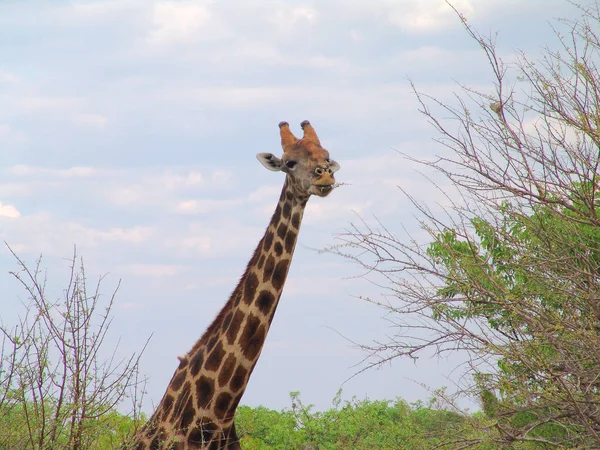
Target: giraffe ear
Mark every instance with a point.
(270, 161)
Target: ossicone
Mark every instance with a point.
(288, 140)
(309, 132)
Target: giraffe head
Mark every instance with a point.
(306, 164)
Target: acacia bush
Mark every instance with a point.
(510, 274)
(59, 383)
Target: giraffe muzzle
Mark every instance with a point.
(320, 171)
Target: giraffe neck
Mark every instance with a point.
(252, 305)
(201, 399)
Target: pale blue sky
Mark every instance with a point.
(129, 128)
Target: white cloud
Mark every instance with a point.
(286, 16)
(258, 51)
(18, 189)
(192, 244)
(5, 131)
(235, 97)
(387, 162)
(151, 270)
(357, 35)
(172, 180)
(265, 192)
(131, 306)
(214, 238)
(312, 285)
(431, 54)
(9, 211)
(265, 198)
(163, 187)
(206, 205)
(44, 232)
(31, 97)
(177, 22)
(127, 195)
(343, 102)
(78, 172)
(13, 139)
(8, 77)
(71, 172)
(96, 9)
(42, 103)
(329, 208)
(221, 176)
(96, 121)
(134, 235)
(425, 16)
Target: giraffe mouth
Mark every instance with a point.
(323, 190)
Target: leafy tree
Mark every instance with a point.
(353, 424)
(57, 390)
(262, 428)
(511, 273)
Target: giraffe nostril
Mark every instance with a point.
(319, 171)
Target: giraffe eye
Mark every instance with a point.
(290, 164)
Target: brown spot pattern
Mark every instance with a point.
(155, 445)
(252, 337)
(280, 273)
(216, 445)
(281, 229)
(269, 268)
(290, 239)
(177, 380)
(234, 327)
(268, 240)
(276, 215)
(167, 404)
(188, 414)
(296, 220)
(202, 433)
(250, 286)
(195, 436)
(211, 343)
(205, 388)
(238, 379)
(227, 370)
(227, 320)
(196, 363)
(222, 404)
(237, 297)
(234, 405)
(180, 402)
(265, 301)
(287, 209)
(214, 359)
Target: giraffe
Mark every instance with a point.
(198, 408)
